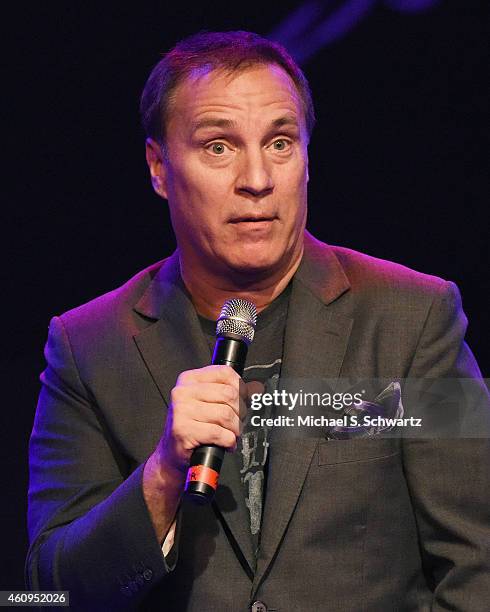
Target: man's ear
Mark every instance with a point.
(156, 164)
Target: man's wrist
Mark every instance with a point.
(163, 487)
(161, 475)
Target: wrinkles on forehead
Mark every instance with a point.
(288, 120)
(196, 75)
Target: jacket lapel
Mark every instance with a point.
(314, 347)
(169, 346)
(175, 342)
(229, 505)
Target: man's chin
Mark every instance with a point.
(256, 262)
(253, 267)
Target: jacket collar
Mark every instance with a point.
(320, 272)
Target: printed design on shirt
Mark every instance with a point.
(255, 445)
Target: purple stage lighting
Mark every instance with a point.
(316, 24)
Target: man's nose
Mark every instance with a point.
(255, 176)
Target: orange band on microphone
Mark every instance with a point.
(201, 473)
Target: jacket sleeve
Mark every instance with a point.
(449, 477)
(89, 528)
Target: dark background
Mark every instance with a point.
(397, 167)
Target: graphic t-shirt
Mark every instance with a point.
(263, 364)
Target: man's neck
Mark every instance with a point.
(208, 294)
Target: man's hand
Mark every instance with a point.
(205, 409)
(206, 405)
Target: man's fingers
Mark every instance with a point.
(217, 393)
(218, 414)
(210, 433)
(215, 396)
(212, 373)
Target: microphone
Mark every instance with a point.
(234, 332)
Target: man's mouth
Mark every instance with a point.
(253, 219)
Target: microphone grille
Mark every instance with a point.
(237, 317)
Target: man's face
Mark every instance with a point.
(236, 170)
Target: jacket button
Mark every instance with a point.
(259, 606)
(125, 590)
(147, 574)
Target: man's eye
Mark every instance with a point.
(280, 145)
(218, 148)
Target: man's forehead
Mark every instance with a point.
(210, 121)
(268, 82)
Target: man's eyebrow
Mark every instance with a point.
(213, 122)
(285, 121)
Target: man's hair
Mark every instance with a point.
(228, 51)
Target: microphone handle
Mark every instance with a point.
(206, 461)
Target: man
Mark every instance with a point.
(298, 524)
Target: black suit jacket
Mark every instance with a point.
(352, 525)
